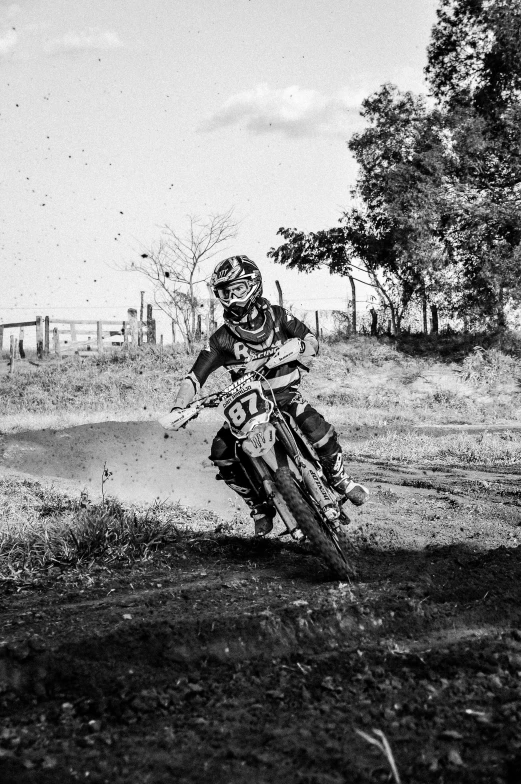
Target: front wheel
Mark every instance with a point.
(330, 544)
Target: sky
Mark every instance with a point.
(118, 118)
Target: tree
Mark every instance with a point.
(474, 57)
(474, 68)
(175, 265)
(308, 252)
(394, 229)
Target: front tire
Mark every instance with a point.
(330, 544)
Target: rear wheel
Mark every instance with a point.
(330, 544)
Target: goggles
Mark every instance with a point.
(233, 291)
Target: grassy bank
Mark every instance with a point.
(360, 383)
(459, 449)
(115, 383)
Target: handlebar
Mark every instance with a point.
(178, 419)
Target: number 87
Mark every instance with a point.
(237, 413)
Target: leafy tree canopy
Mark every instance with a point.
(474, 57)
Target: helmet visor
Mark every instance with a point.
(233, 291)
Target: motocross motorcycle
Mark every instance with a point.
(278, 460)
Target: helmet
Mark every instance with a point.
(237, 284)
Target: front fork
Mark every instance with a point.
(273, 495)
(321, 494)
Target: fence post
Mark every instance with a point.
(374, 323)
(56, 341)
(198, 330)
(12, 353)
(151, 326)
(21, 343)
(1, 341)
(161, 350)
(353, 303)
(46, 339)
(99, 336)
(434, 319)
(211, 308)
(74, 336)
(141, 316)
(39, 337)
(317, 324)
(132, 326)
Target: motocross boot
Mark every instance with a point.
(261, 511)
(262, 515)
(341, 482)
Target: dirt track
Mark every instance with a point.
(145, 463)
(231, 660)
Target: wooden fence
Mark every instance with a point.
(21, 326)
(83, 337)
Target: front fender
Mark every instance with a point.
(275, 458)
(270, 461)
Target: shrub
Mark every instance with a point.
(488, 366)
(43, 529)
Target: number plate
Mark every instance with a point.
(247, 404)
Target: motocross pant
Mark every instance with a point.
(320, 433)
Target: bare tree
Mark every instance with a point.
(175, 266)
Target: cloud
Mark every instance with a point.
(292, 111)
(84, 40)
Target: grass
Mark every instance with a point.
(487, 367)
(464, 449)
(364, 382)
(116, 383)
(44, 530)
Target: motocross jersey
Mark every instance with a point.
(228, 350)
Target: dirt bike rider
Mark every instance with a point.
(252, 324)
